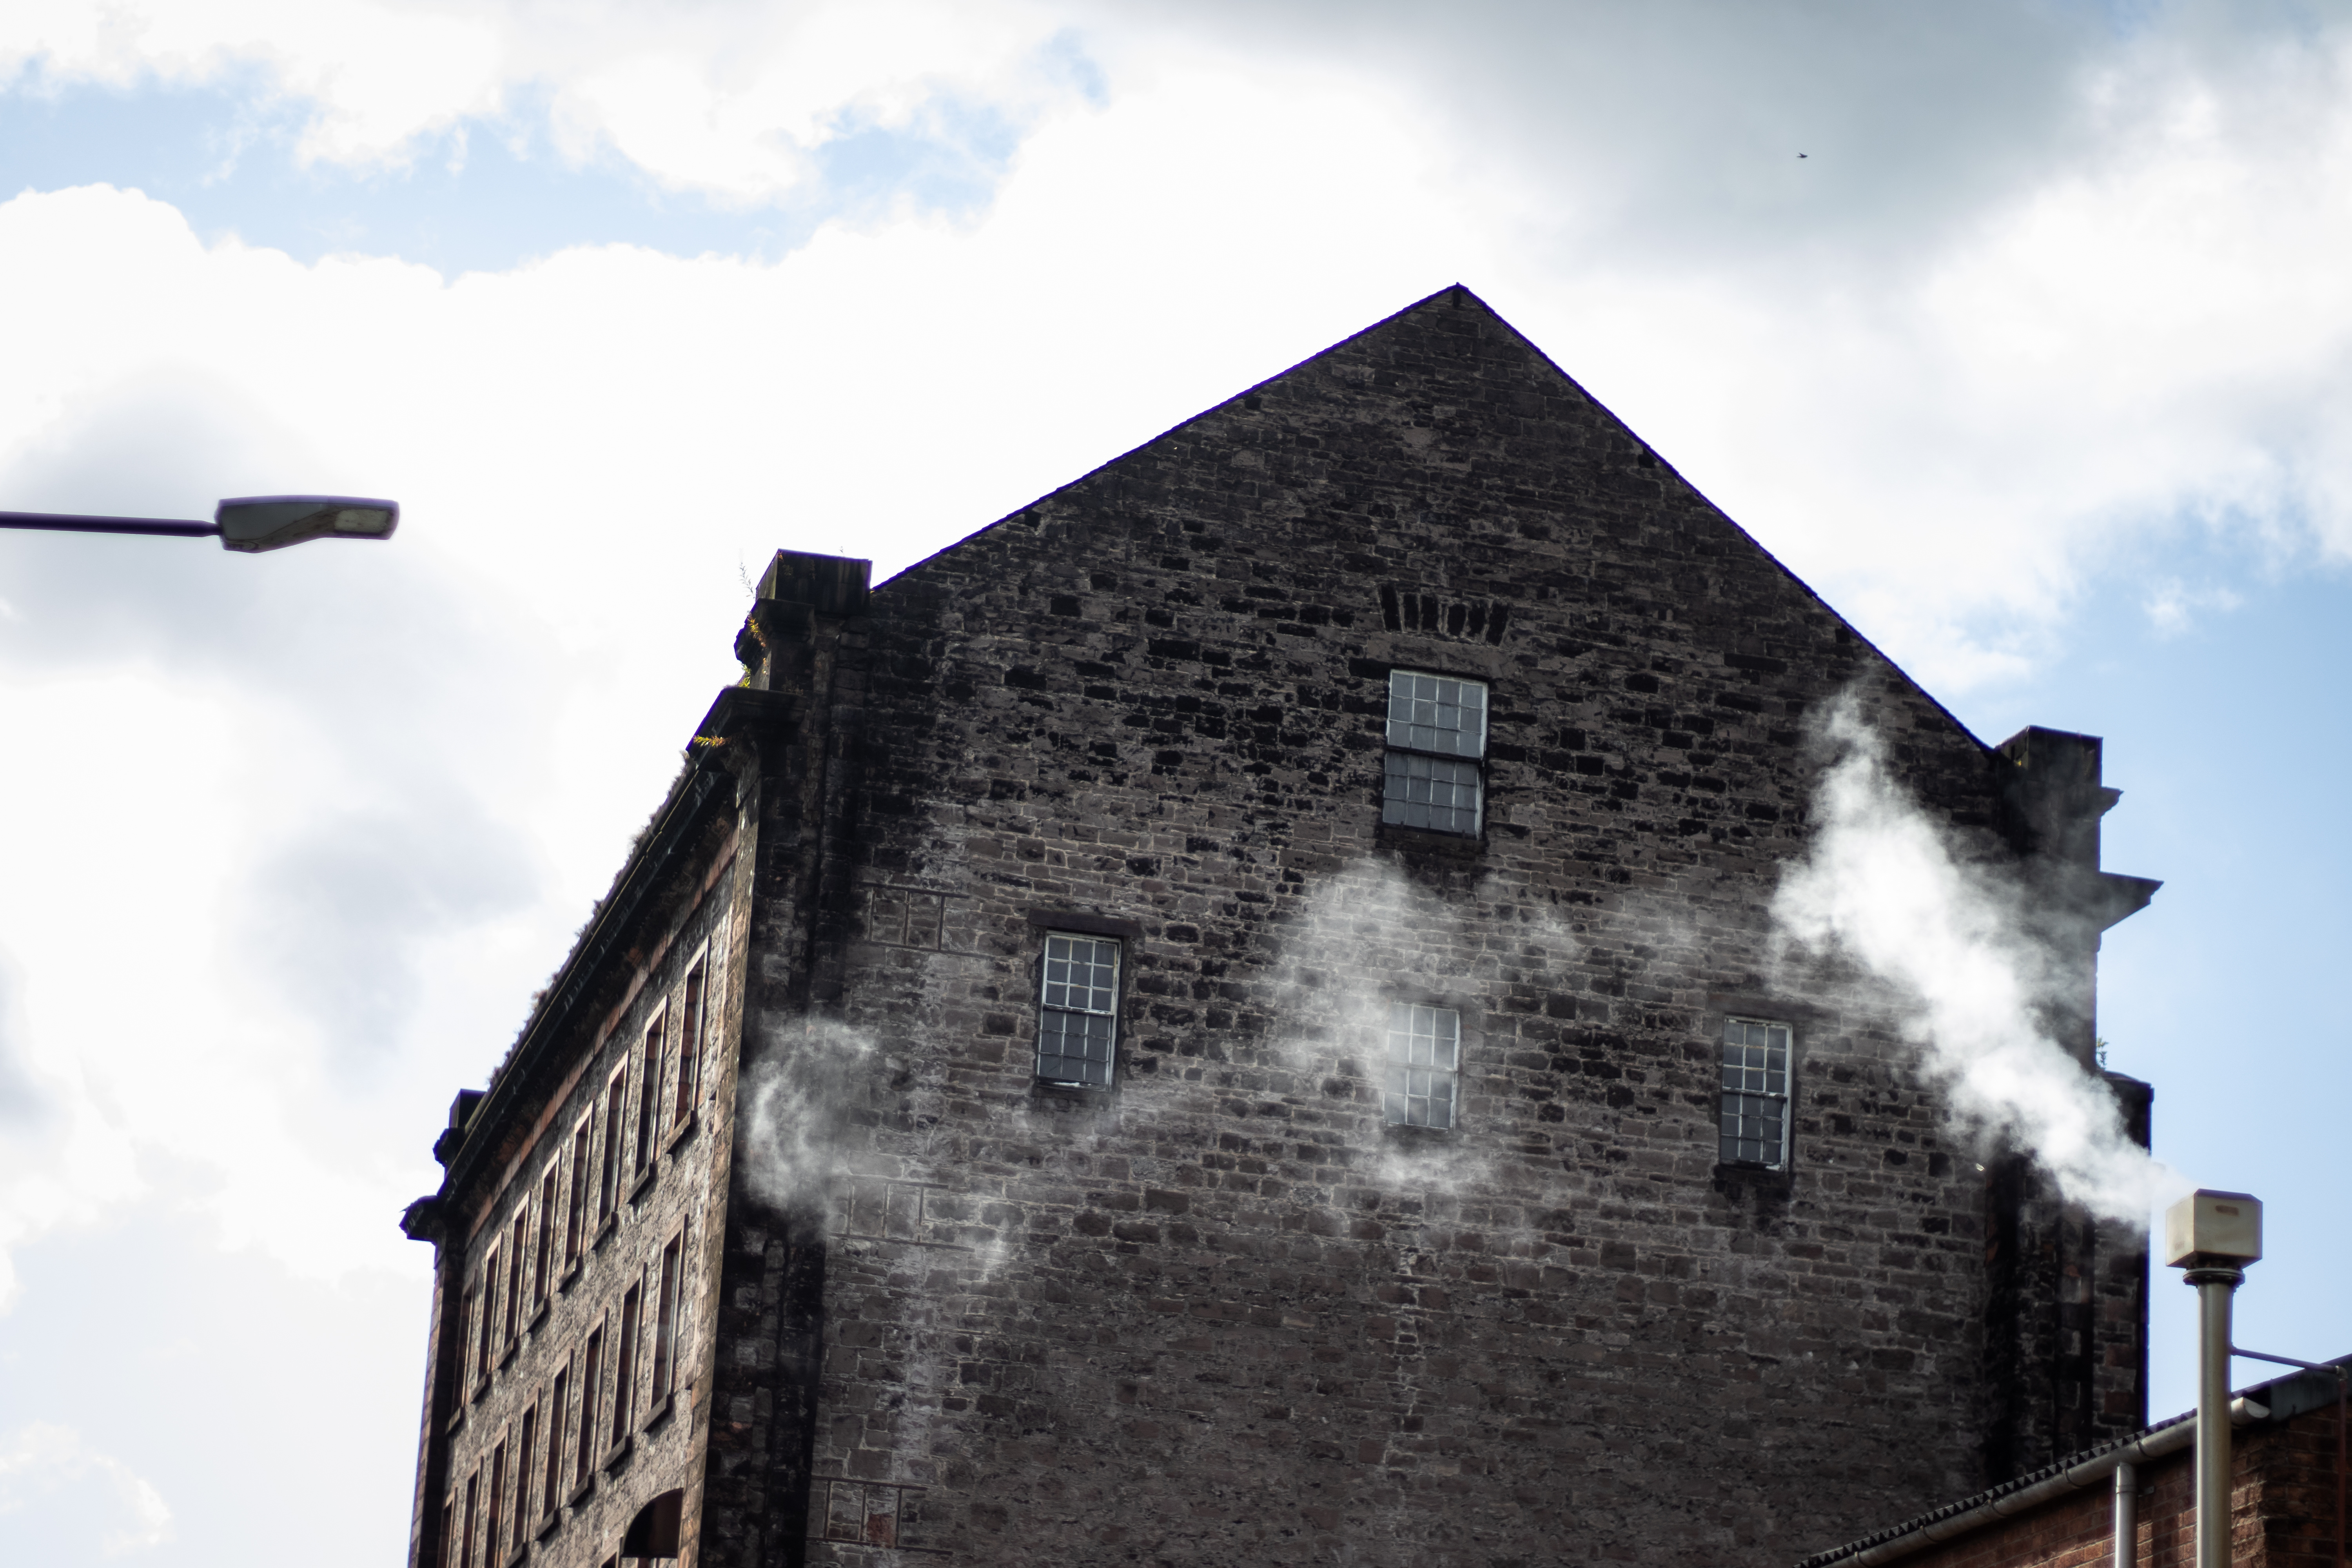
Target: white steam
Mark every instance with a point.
(1882, 887)
(1370, 936)
(798, 1094)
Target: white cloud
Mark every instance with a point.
(38, 1461)
(2049, 293)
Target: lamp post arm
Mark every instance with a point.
(70, 522)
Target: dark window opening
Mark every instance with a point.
(576, 1218)
(542, 1264)
(494, 1504)
(689, 1046)
(525, 1452)
(625, 1358)
(666, 1321)
(551, 1489)
(466, 1530)
(490, 1316)
(649, 1097)
(608, 1186)
(591, 1366)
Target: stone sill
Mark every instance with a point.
(1428, 841)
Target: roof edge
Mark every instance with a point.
(2096, 1461)
(1464, 291)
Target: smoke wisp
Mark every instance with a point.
(798, 1094)
(1882, 887)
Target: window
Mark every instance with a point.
(625, 1359)
(1424, 1061)
(591, 1365)
(575, 1223)
(1754, 1092)
(648, 1097)
(525, 1453)
(469, 1306)
(493, 1504)
(1079, 1015)
(466, 1530)
(542, 1263)
(1436, 739)
(489, 1299)
(559, 1392)
(616, 1102)
(516, 1246)
(666, 1321)
(689, 1046)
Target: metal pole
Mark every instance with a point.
(73, 523)
(2214, 1288)
(2127, 1552)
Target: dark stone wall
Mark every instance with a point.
(1219, 1311)
(524, 1129)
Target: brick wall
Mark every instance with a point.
(2282, 1510)
(1219, 1311)
(508, 1149)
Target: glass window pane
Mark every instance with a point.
(1424, 1048)
(1430, 792)
(1077, 1022)
(1435, 714)
(1754, 1121)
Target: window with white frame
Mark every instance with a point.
(1754, 1092)
(1424, 1065)
(1077, 1023)
(1432, 775)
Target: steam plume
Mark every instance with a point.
(1882, 887)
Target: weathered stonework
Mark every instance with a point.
(1218, 1310)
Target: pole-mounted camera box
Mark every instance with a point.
(2220, 1229)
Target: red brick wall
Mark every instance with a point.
(2283, 1512)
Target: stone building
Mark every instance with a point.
(1231, 1017)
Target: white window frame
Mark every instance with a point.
(1755, 1077)
(1417, 1062)
(1058, 1001)
(1421, 749)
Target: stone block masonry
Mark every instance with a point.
(1220, 1309)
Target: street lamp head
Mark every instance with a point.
(254, 523)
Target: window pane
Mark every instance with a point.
(1425, 1057)
(1430, 792)
(1081, 974)
(1431, 713)
(1754, 1112)
(1073, 1047)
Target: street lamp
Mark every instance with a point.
(249, 523)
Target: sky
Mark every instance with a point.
(2019, 330)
